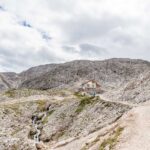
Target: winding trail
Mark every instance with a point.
(118, 102)
(136, 135)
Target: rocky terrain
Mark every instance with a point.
(40, 109)
(119, 78)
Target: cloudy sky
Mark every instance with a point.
(34, 32)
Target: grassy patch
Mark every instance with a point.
(41, 105)
(111, 141)
(78, 95)
(46, 118)
(10, 93)
(107, 104)
(15, 108)
(17, 93)
(83, 102)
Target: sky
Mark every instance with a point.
(35, 32)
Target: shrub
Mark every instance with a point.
(111, 141)
(83, 102)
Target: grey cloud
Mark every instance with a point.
(70, 49)
(59, 28)
(46, 36)
(86, 50)
(2, 8)
(25, 24)
(91, 50)
(6, 52)
(61, 5)
(47, 56)
(84, 27)
(16, 61)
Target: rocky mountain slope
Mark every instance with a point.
(121, 79)
(110, 71)
(9, 80)
(40, 109)
(58, 119)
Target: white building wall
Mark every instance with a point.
(90, 84)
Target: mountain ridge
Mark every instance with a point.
(118, 77)
(44, 111)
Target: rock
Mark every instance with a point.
(40, 116)
(40, 146)
(32, 131)
(40, 127)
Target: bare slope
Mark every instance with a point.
(68, 117)
(113, 72)
(121, 79)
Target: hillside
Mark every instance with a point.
(68, 118)
(40, 109)
(106, 72)
(121, 79)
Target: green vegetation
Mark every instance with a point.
(78, 95)
(107, 104)
(111, 141)
(83, 102)
(17, 93)
(61, 92)
(15, 108)
(46, 118)
(41, 105)
(10, 93)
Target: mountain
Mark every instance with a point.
(8, 80)
(106, 72)
(36, 71)
(40, 109)
(117, 77)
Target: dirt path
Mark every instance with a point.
(118, 102)
(136, 135)
(32, 98)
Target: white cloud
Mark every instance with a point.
(37, 32)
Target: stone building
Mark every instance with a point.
(90, 87)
